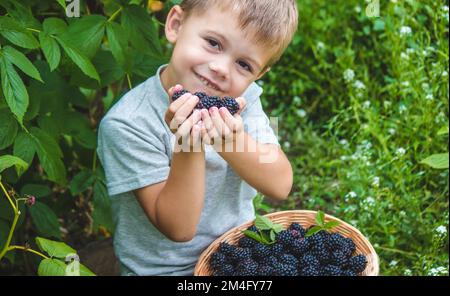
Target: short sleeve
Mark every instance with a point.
(131, 158)
(256, 122)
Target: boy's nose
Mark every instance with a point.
(220, 68)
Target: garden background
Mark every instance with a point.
(362, 104)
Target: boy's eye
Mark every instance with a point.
(213, 43)
(245, 66)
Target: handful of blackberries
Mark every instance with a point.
(207, 102)
(293, 254)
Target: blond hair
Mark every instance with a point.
(274, 21)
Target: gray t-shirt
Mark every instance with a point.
(135, 147)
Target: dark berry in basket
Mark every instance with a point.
(339, 259)
(332, 270)
(225, 270)
(265, 270)
(226, 249)
(217, 260)
(310, 271)
(308, 260)
(246, 242)
(289, 259)
(357, 263)
(282, 269)
(247, 267)
(277, 249)
(260, 250)
(240, 254)
(285, 238)
(297, 230)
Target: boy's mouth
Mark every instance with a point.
(207, 82)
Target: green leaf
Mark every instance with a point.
(81, 182)
(443, 131)
(331, 224)
(437, 161)
(16, 34)
(62, 3)
(320, 218)
(51, 50)
(79, 59)
(22, 62)
(86, 34)
(14, 90)
(54, 248)
(24, 147)
(52, 267)
(253, 235)
(45, 220)
(84, 271)
(8, 128)
(118, 42)
(37, 190)
(7, 161)
(263, 223)
(313, 231)
(272, 235)
(102, 208)
(277, 228)
(266, 238)
(54, 26)
(49, 155)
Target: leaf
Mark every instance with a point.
(437, 161)
(7, 161)
(86, 34)
(443, 131)
(45, 220)
(22, 62)
(320, 218)
(37, 190)
(54, 248)
(24, 147)
(102, 207)
(263, 223)
(277, 228)
(313, 231)
(266, 238)
(253, 235)
(8, 128)
(52, 267)
(14, 90)
(49, 155)
(82, 181)
(62, 3)
(54, 26)
(16, 34)
(51, 50)
(331, 224)
(79, 59)
(272, 235)
(84, 271)
(118, 42)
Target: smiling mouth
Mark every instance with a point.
(207, 83)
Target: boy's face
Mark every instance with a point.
(212, 54)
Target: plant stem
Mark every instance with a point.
(396, 251)
(129, 81)
(11, 248)
(11, 231)
(33, 30)
(9, 198)
(94, 162)
(115, 14)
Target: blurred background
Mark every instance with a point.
(361, 97)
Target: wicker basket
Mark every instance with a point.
(306, 219)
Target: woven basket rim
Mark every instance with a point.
(238, 229)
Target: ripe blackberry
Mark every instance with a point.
(269, 261)
(240, 254)
(299, 247)
(253, 228)
(209, 102)
(339, 259)
(332, 270)
(225, 270)
(265, 270)
(246, 242)
(277, 249)
(231, 104)
(297, 230)
(282, 269)
(217, 260)
(322, 255)
(179, 94)
(309, 271)
(226, 249)
(349, 247)
(285, 238)
(320, 239)
(201, 95)
(289, 259)
(336, 241)
(247, 267)
(260, 250)
(349, 273)
(308, 260)
(357, 263)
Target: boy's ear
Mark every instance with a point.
(173, 23)
(263, 72)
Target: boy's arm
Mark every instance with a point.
(175, 206)
(263, 166)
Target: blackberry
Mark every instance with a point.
(209, 102)
(231, 104)
(297, 230)
(322, 255)
(269, 261)
(285, 238)
(357, 263)
(332, 270)
(349, 247)
(226, 249)
(217, 260)
(201, 95)
(265, 270)
(240, 254)
(299, 247)
(308, 260)
(349, 273)
(246, 242)
(247, 267)
(310, 271)
(253, 228)
(336, 241)
(260, 250)
(289, 259)
(277, 249)
(179, 94)
(320, 239)
(282, 269)
(339, 259)
(225, 270)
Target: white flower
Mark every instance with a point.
(357, 9)
(410, 50)
(320, 45)
(404, 56)
(401, 151)
(351, 194)
(343, 142)
(441, 270)
(402, 108)
(387, 104)
(393, 263)
(366, 105)
(392, 131)
(370, 201)
(301, 113)
(394, 1)
(444, 8)
(405, 30)
(349, 75)
(376, 182)
(425, 86)
(429, 97)
(359, 85)
(441, 230)
(444, 74)
(402, 213)
(406, 83)
(407, 272)
(287, 144)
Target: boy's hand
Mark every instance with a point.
(220, 124)
(186, 127)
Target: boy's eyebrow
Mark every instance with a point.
(225, 40)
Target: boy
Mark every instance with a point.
(168, 203)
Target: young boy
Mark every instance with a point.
(169, 204)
